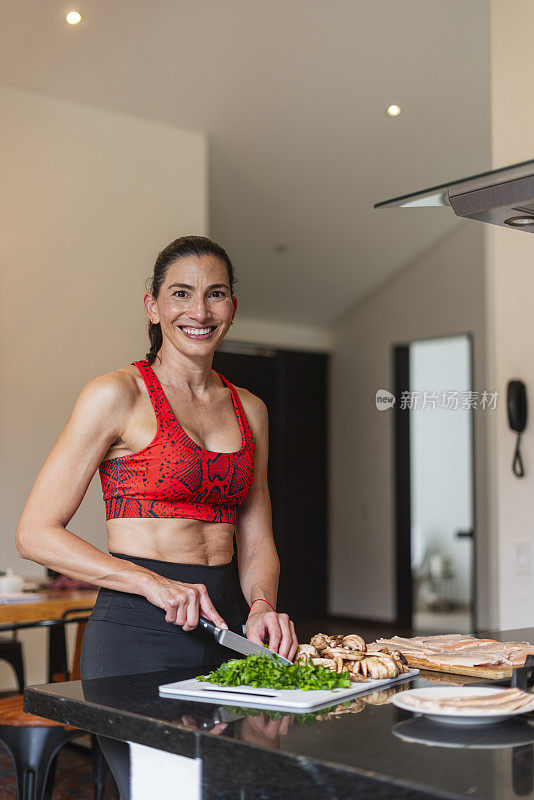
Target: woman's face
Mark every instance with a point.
(194, 307)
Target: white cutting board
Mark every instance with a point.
(279, 699)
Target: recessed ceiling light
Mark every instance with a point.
(73, 17)
(393, 110)
(519, 222)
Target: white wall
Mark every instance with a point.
(511, 270)
(441, 294)
(441, 460)
(88, 198)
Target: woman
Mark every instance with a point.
(182, 456)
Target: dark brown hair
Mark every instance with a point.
(180, 248)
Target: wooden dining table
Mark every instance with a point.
(50, 607)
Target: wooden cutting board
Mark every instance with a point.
(456, 669)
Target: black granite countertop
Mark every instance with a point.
(363, 748)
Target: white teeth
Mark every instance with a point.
(197, 331)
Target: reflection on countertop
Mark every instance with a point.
(348, 747)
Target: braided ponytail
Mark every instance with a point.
(156, 340)
(180, 248)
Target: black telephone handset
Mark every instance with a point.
(517, 419)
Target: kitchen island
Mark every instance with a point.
(361, 749)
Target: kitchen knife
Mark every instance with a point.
(238, 643)
(220, 715)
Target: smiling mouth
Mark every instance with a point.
(197, 333)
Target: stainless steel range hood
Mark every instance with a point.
(501, 197)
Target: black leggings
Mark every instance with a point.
(126, 635)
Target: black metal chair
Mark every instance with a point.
(11, 651)
(33, 742)
(33, 746)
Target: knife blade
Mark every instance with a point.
(238, 643)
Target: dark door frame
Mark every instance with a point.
(402, 483)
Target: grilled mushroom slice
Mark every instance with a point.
(393, 666)
(377, 648)
(353, 655)
(357, 677)
(319, 641)
(355, 672)
(330, 652)
(399, 657)
(376, 669)
(386, 658)
(346, 655)
(305, 652)
(334, 640)
(353, 642)
(329, 663)
(339, 663)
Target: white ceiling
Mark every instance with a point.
(292, 94)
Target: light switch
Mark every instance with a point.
(523, 562)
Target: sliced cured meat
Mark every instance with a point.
(466, 660)
(493, 699)
(461, 650)
(498, 702)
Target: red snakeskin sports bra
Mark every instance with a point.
(173, 476)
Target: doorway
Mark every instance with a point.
(434, 481)
(294, 386)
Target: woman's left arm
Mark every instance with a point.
(259, 566)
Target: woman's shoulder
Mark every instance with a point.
(118, 389)
(253, 406)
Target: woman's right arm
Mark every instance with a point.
(98, 419)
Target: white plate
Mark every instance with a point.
(510, 733)
(279, 699)
(486, 716)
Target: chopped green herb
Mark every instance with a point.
(262, 670)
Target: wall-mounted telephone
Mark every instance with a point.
(517, 419)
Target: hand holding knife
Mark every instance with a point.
(238, 643)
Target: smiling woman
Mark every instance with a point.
(190, 307)
(182, 456)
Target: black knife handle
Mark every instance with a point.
(207, 625)
(523, 676)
